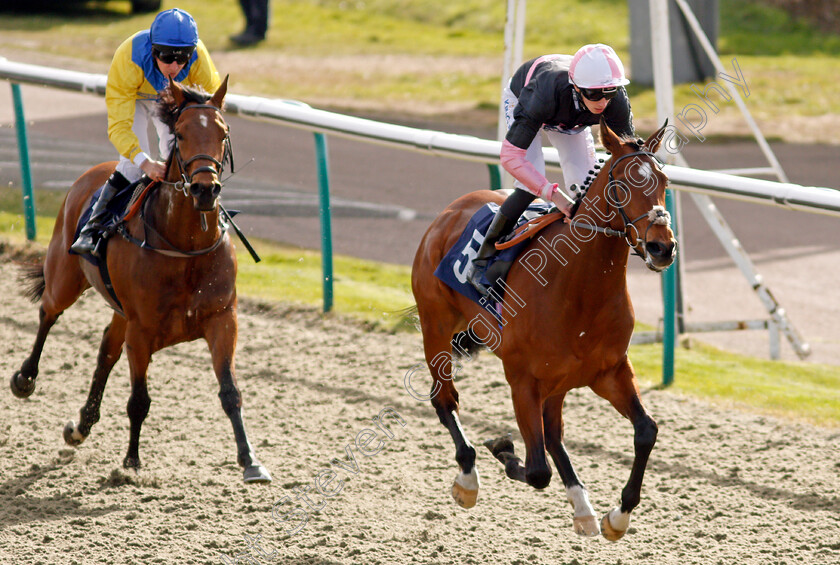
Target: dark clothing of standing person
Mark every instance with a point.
(256, 22)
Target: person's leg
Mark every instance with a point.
(503, 222)
(164, 135)
(577, 155)
(86, 242)
(247, 11)
(259, 24)
(256, 16)
(125, 173)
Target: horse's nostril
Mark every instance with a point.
(217, 188)
(659, 250)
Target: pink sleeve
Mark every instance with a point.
(513, 160)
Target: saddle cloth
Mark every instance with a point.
(453, 268)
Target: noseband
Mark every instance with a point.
(217, 166)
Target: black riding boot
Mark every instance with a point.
(89, 235)
(499, 227)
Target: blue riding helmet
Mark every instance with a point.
(174, 28)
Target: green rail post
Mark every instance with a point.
(669, 303)
(326, 222)
(495, 176)
(25, 171)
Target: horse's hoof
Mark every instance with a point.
(465, 489)
(608, 531)
(131, 462)
(72, 436)
(586, 526)
(256, 474)
(502, 444)
(22, 387)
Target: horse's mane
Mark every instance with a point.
(168, 111)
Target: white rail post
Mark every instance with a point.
(660, 35)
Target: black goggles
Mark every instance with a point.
(595, 94)
(169, 56)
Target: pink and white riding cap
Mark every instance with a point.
(597, 66)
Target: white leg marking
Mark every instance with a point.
(468, 481)
(579, 500)
(585, 523)
(619, 520)
(465, 489)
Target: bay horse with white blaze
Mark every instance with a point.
(566, 322)
(173, 278)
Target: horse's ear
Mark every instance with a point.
(655, 140)
(176, 92)
(219, 95)
(609, 139)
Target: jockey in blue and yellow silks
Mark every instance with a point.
(142, 67)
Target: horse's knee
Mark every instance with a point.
(646, 431)
(231, 400)
(138, 405)
(445, 401)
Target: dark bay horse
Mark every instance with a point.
(566, 322)
(180, 285)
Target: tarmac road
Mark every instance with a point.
(383, 199)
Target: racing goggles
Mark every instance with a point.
(168, 55)
(595, 94)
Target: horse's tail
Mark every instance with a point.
(33, 277)
(408, 319)
(465, 345)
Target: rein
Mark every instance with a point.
(174, 252)
(183, 185)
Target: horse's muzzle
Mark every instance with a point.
(204, 195)
(659, 255)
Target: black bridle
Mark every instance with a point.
(656, 215)
(217, 166)
(184, 185)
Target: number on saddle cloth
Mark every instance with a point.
(454, 266)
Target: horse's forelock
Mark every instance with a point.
(635, 143)
(168, 110)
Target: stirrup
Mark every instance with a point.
(84, 244)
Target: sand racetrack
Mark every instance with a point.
(722, 487)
